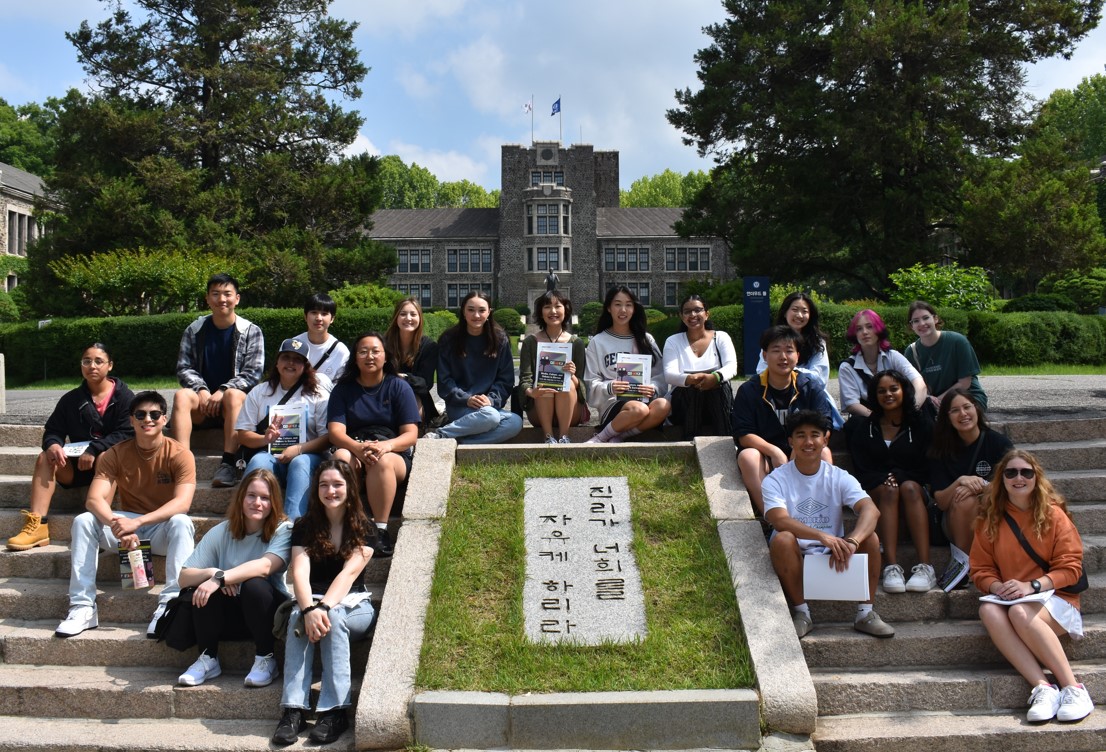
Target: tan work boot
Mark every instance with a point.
(34, 533)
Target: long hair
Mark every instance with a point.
(548, 298)
(236, 516)
(352, 371)
(492, 332)
(878, 326)
(310, 378)
(946, 439)
(637, 320)
(693, 298)
(357, 531)
(921, 305)
(813, 339)
(400, 356)
(1043, 496)
(910, 412)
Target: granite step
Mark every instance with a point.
(956, 731)
(21, 461)
(61, 524)
(934, 688)
(1089, 518)
(953, 642)
(126, 645)
(1056, 456)
(1080, 485)
(1042, 431)
(15, 492)
(149, 735)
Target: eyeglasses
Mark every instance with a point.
(693, 311)
(87, 362)
(151, 414)
(363, 352)
(1013, 472)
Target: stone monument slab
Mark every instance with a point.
(582, 581)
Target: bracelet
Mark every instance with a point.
(854, 541)
(317, 605)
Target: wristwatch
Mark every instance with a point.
(1035, 585)
(221, 577)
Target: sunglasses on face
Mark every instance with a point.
(152, 414)
(1013, 472)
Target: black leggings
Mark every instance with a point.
(247, 616)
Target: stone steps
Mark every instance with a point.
(71, 734)
(934, 688)
(15, 494)
(958, 642)
(956, 731)
(21, 461)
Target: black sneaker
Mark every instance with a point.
(383, 546)
(329, 726)
(225, 476)
(291, 724)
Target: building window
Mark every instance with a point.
(468, 260)
(621, 259)
(22, 230)
(414, 261)
(551, 219)
(671, 294)
(456, 292)
(639, 289)
(544, 259)
(546, 177)
(419, 291)
(687, 259)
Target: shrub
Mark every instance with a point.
(589, 317)
(365, 296)
(9, 311)
(1040, 302)
(943, 286)
(510, 320)
(1086, 289)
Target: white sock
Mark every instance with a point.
(382, 525)
(631, 432)
(607, 433)
(802, 608)
(862, 610)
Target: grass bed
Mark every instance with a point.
(475, 627)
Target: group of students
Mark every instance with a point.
(917, 430)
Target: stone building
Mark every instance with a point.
(17, 197)
(558, 211)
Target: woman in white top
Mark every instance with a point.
(621, 330)
(699, 362)
(800, 313)
(872, 354)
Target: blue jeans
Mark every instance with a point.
(346, 626)
(174, 539)
(294, 476)
(488, 425)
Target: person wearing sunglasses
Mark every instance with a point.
(154, 478)
(86, 422)
(1027, 550)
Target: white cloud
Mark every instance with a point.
(360, 145)
(415, 84)
(406, 18)
(445, 165)
(479, 70)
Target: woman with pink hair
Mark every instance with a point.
(872, 354)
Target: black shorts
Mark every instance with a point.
(81, 478)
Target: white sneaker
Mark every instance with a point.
(263, 672)
(1044, 702)
(893, 580)
(1075, 703)
(922, 579)
(203, 669)
(432, 435)
(151, 631)
(79, 619)
(549, 439)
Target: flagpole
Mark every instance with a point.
(531, 119)
(560, 122)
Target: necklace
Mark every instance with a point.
(371, 390)
(147, 454)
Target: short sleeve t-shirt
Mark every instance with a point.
(146, 484)
(220, 550)
(324, 570)
(259, 400)
(392, 404)
(950, 359)
(943, 472)
(815, 500)
(334, 364)
(218, 365)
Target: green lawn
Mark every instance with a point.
(475, 629)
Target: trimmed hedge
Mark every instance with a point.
(510, 320)
(148, 345)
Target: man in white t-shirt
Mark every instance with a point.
(325, 352)
(804, 502)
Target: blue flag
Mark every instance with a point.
(556, 107)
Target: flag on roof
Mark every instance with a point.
(528, 107)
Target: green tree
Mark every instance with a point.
(406, 187)
(463, 194)
(1087, 289)
(214, 129)
(27, 137)
(668, 189)
(1079, 116)
(841, 130)
(949, 286)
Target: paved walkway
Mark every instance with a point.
(1010, 397)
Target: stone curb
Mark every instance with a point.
(680, 719)
(469, 453)
(788, 699)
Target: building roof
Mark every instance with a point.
(639, 223)
(20, 180)
(427, 224)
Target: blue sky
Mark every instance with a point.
(448, 78)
